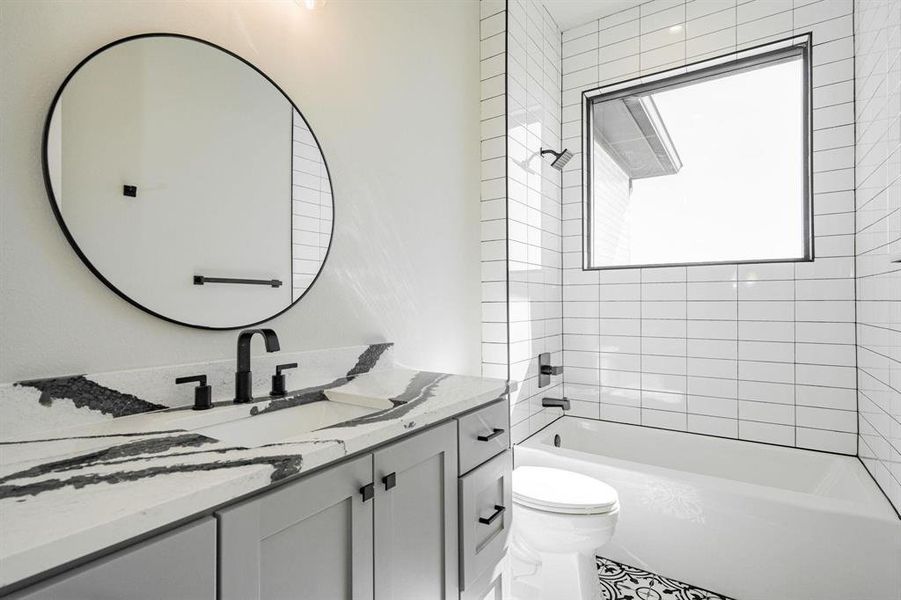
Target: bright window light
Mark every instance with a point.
(705, 167)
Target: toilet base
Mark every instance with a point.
(570, 576)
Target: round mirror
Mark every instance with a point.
(188, 182)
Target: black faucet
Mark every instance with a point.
(243, 377)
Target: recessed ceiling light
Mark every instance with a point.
(675, 29)
(311, 4)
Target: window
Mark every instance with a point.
(707, 166)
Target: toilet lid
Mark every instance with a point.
(561, 491)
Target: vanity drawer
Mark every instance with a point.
(483, 434)
(486, 515)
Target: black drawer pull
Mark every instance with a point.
(494, 433)
(368, 491)
(390, 480)
(498, 511)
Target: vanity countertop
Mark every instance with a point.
(91, 487)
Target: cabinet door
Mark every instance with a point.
(179, 564)
(307, 540)
(416, 517)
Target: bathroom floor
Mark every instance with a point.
(622, 582)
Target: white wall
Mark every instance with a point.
(757, 352)
(613, 187)
(398, 128)
(877, 26)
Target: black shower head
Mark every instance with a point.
(560, 158)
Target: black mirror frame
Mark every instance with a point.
(71, 239)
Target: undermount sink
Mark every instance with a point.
(283, 425)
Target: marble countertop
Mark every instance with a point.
(86, 488)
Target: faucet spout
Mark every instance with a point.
(556, 403)
(244, 376)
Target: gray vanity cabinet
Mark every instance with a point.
(382, 526)
(310, 539)
(320, 537)
(178, 564)
(416, 517)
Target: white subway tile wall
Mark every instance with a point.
(762, 352)
(878, 236)
(311, 219)
(534, 210)
(493, 44)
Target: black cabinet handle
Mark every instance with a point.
(368, 491)
(494, 433)
(390, 480)
(498, 511)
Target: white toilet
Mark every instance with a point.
(560, 519)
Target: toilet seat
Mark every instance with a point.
(562, 492)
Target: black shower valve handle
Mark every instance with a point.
(546, 369)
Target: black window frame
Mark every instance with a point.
(724, 65)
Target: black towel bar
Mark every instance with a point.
(200, 280)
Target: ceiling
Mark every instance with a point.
(571, 13)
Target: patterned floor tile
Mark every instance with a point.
(622, 582)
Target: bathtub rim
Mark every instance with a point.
(884, 512)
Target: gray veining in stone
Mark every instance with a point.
(85, 488)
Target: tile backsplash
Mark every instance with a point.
(878, 242)
(762, 352)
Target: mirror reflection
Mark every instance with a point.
(188, 182)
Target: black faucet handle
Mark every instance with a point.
(203, 393)
(280, 368)
(199, 379)
(278, 380)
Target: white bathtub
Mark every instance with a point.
(751, 521)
